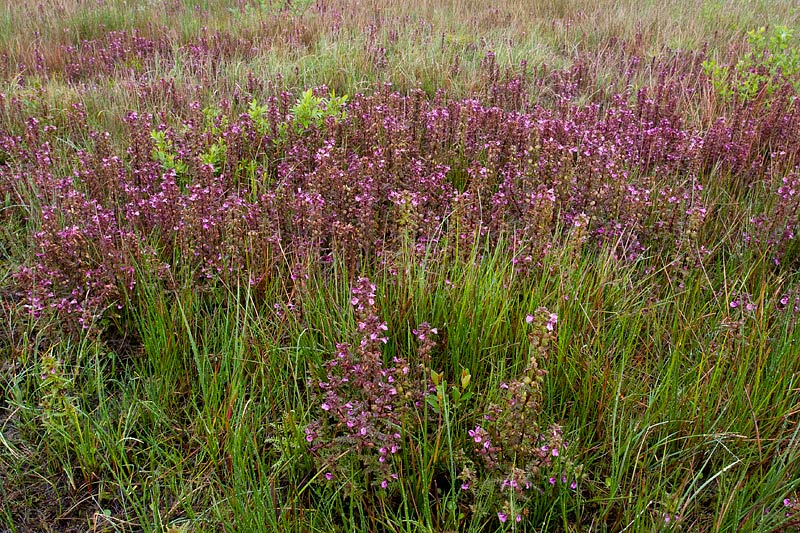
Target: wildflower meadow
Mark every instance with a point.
(399, 266)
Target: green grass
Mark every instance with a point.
(186, 412)
(668, 409)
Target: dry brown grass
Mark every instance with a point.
(351, 45)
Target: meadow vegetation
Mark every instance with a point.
(362, 265)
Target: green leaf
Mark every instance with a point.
(433, 402)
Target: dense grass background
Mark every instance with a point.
(160, 380)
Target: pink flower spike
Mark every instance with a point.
(465, 486)
(529, 319)
(555, 452)
(552, 480)
(519, 518)
(502, 516)
(328, 476)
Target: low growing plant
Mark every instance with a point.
(772, 61)
(512, 452)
